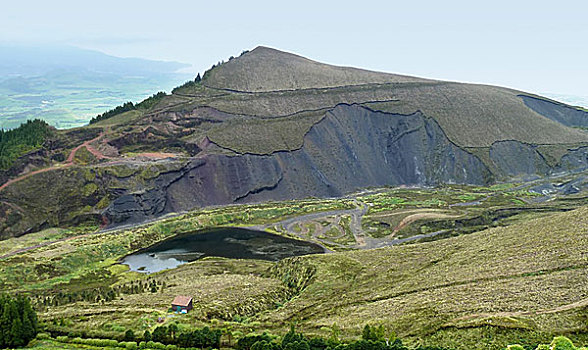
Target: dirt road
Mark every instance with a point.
(69, 162)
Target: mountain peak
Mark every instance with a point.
(267, 69)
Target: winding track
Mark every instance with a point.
(69, 162)
(355, 225)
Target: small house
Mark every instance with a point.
(182, 304)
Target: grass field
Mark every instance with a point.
(522, 281)
(527, 279)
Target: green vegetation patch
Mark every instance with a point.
(264, 136)
(503, 275)
(17, 142)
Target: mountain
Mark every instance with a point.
(581, 101)
(270, 125)
(66, 86)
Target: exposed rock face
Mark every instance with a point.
(270, 125)
(558, 112)
(351, 148)
(514, 158)
(574, 160)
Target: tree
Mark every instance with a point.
(292, 337)
(160, 334)
(173, 330)
(18, 322)
(147, 336)
(198, 78)
(17, 142)
(129, 335)
(125, 107)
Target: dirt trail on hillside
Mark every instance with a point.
(87, 145)
(419, 216)
(69, 161)
(355, 225)
(22, 177)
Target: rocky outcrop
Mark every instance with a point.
(518, 159)
(558, 112)
(351, 148)
(573, 161)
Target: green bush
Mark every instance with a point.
(62, 339)
(515, 347)
(130, 345)
(558, 343)
(43, 336)
(562, 343)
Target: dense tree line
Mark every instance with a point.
(170, 337)
(127, 106)
(200, 338)
(373, 338)
(18, 321)
(151, 101)
(17, 142)
(189, 83)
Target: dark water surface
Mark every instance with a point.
(226, 242)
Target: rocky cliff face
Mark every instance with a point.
(275, 126)
(558, 112)
(351, 148)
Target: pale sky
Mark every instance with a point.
(537, 46)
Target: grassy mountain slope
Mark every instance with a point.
(341, 129)
(526, 279)
(290, 72)
(471, 115)
(522, 283)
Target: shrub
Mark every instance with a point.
(43, 336)
(129, 335)
(62, 339)
(130, 345)
(515, 347)
(247, 342)
(562, 343)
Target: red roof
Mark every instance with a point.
(181, 300)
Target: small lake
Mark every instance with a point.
(226, 242)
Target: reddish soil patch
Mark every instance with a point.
(157, 155)
(16, 179)
(68, 162)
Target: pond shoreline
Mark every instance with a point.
(224, 242)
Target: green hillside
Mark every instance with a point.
(523, 283)
(526, 280)
(270, 125)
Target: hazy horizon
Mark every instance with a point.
(531, 46)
